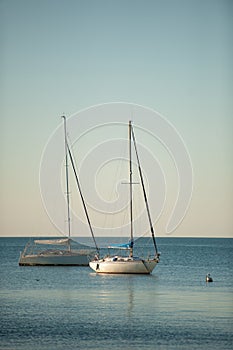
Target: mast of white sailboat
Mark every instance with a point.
(144, 193)
(67, 182)
(130, 189)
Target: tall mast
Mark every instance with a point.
(144, 193)
(67, 180)
(130, 186)
(82, 198)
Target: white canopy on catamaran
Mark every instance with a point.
(52, 241)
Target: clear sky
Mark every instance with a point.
(173, 56)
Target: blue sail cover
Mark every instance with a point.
(122, 246)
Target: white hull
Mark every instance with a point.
(123, 265)
(63, 259)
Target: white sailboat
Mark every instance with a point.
(63, 252)
(120, 264)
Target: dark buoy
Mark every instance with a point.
(208, 278)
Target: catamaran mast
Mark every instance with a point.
(67, 182)
(130, 189)
(82, 198)
(144, 193)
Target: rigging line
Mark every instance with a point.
(67, 180)
(130, 181)
(144, 192)
(82, 198)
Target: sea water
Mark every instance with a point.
(75, 308)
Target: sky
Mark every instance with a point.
(172, 56)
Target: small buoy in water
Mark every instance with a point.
(208, 278)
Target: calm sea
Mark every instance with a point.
(73, 308)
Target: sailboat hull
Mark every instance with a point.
(120, 265)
